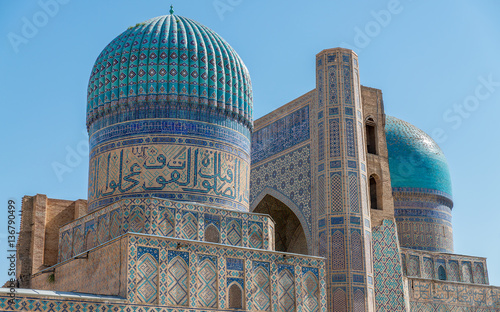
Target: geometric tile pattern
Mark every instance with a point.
(332, 82)
(323, 244)
(353, 192)
(359, 300)
(453, 271)
(275, 137)
(166, 226)
(321, 195)
(234, 232)
(335, 149)
(414, 266)
(164, 218)
(336, 191)
(428, 268)
(65, 246)
(356, 250)
(189, 276)
(310, 291)
(290, 176)
(115, 221)
(207, 282)
(136, 219)
(262, 292)
(321, 141)
(286, 293)
(445, 266)
(255, 234)
(189, 226)
(178, 273)
(479, 273)
(147, 277)
(339, 300)
(337, 258)
(389, 290)
(350, 143)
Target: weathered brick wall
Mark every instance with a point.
(37, 245)
(102, 272)
(58, 213)
(378, 165)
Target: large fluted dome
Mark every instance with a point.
(167, 59)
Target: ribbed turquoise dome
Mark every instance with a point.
(168, 59)
(415, 159)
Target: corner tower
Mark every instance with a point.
(169, 115)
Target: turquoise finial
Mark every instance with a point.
(171, 9)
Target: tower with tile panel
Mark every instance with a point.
(343, 217)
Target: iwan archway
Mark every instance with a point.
(289, 233)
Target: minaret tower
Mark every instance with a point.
(343, 215)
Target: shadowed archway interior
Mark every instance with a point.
(289, 234)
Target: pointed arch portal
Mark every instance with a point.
(289, 233)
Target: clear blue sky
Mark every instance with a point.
(431, 60)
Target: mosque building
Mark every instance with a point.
(324, 204)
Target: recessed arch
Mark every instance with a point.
(375, 190)
(235, 295)
(441, 273)
(291, 205)
(371, 135)
(212, 234)
(290, 235)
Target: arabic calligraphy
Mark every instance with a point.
(165, 168)
(472, 295)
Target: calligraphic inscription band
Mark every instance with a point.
(187, 161)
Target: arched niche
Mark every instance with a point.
(289, 232)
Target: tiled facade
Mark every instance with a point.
(446, 267)
(192, 207)
(163, 217)
(426, 295)
(178, 273)
(389, 282)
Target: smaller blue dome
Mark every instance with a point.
(415, 159)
